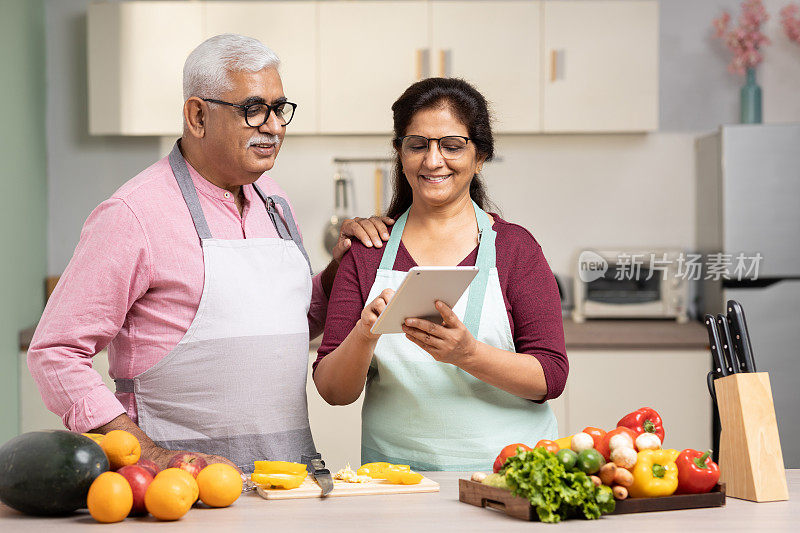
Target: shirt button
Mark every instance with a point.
(227, 195)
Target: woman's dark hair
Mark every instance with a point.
(467, 104)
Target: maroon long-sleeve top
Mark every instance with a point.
(528, 285)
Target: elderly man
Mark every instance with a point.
(194, 275)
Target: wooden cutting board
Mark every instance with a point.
(309, 489)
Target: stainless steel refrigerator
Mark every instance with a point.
(748, 202)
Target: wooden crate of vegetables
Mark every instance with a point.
(595, 472)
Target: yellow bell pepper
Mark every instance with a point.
(279, 481)
(279, 467)
(402, 477)
(377, 470)
(655, 474)
(564, 442)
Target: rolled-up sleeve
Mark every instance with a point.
(109, 271)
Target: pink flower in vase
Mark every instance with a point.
(790, 20)
(746, 39)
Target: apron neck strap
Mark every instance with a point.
(181, 172)
(486, 236)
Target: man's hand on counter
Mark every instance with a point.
(150, 450)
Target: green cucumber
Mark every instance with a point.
(48, 473)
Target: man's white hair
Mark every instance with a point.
(205, 72)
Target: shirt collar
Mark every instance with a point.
(209, 189)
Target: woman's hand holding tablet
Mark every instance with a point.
(417, 295)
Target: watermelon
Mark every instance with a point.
(48, 473)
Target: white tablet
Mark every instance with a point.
(418, 293)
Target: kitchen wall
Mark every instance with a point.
(23, 189)
(569, 190)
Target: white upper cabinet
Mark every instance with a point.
(288, 28)
(601, 66)
(370, 52)
(136, 52)
(545, 66)
(495, 46)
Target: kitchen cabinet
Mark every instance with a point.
(136, 52)
(545, 66)
(288, 28)
(605, 385)
(370, 52)
(34, 416)
(601, 65)
(502, 60)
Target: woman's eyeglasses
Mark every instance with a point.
(451, 146)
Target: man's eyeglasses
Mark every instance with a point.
(256, 115)
(451, 147)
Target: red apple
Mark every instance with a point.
(139, 479)
(147, 464)
(191, 462)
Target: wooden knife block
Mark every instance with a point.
(750, 458)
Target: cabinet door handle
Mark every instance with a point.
(558, 59)
(423, 63)
(445, 63)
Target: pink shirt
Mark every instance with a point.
(134, 285)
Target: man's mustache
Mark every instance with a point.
(264, 139)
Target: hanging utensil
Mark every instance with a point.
(341, 210)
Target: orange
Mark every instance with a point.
(121, 448)
(168, 497)
(220, 485)
(110, 498)
(183, 476)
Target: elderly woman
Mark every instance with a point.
(448, 395)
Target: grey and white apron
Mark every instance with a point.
(435, 416)
(235, 384)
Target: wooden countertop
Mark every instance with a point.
(426, 512)
(592, 334)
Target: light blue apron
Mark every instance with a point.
(435, 416)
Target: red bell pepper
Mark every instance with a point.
(644, 420)
(603, 446)
(697, 473)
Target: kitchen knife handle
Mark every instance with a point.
(714, 341)
(728, 350)
(741, 336)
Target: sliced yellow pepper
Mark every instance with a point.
(279, 481)
(402, 477)
(279, 467)
(377, 470)
(655, 474)
(564, 442)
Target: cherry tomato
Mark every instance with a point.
(596, 433)
(508, 451)
(549, 445)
